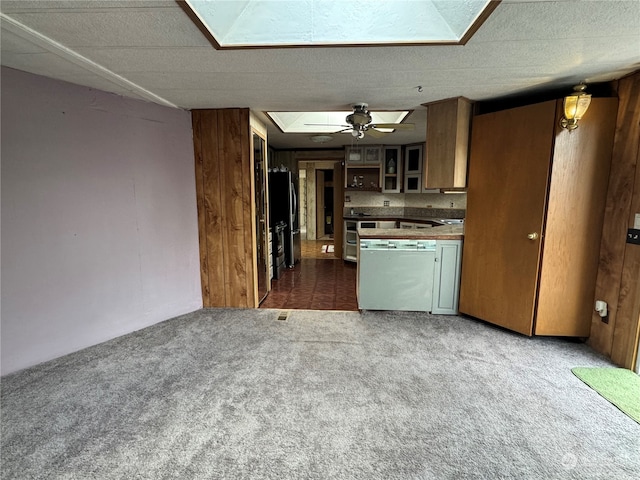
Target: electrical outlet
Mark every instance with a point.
(386, 203)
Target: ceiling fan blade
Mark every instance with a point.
(326, 125)
(395, 126)
(374, 133)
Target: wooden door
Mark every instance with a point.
(260, 199)
(577, 197)
(338, 209)
(320, 220)
(506, 200)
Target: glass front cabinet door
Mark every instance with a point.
(413, 168)
(392, 170)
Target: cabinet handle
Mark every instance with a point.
(533, 236)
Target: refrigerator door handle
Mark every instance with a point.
(294, 210)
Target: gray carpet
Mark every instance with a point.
(323, 395)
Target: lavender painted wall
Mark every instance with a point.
(99, 223)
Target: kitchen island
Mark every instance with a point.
(413, 270)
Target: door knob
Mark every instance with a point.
(533, 236)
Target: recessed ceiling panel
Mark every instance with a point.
(328, 122)
(287, 23)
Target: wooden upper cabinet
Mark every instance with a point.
(447, 147)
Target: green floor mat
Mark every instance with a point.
(618, 385)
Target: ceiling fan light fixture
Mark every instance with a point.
(321, 138)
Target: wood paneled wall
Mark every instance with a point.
(225, 207)
(618, 281)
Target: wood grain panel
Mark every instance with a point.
(338, 209)
(625, 333)
(233, 138)
(463, 124)
(212, 206)
(249, 211)
(617, 217)
(508, 171)
(320, 220)
(214, 209)
(202, 233)
(447, 143)
(305, 155)
(226, 208)
(441, 143)
(577, 193)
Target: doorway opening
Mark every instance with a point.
(322, 280)
(324, 204)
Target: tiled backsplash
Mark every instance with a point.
(411, 205)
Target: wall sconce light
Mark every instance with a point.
(575, 106)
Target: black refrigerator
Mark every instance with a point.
(283, 207)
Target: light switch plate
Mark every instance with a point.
(636, 221)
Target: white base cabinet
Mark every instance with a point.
(446, 277)
(350, 242)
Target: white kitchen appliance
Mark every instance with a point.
(396, 274)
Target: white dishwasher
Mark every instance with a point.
(396, 274)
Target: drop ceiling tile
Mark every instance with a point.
(165, 59)
(145, 27)
(51, 66)
(100, 83)
(221, 81)
(540, 20)
(46, 63)
(12, 43)
(522, 48)
(18, 6)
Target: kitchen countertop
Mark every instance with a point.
(444, 232)
(396, 218)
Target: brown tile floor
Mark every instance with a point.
(319, 282)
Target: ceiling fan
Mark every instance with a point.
(359, 123)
